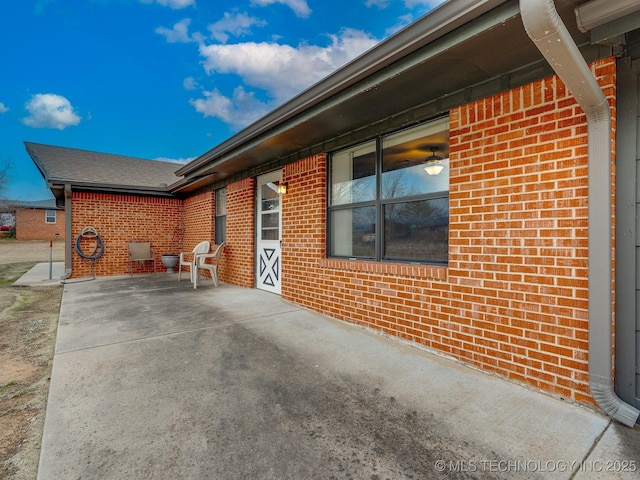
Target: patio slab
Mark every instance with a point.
(43, 274)
(153, 379)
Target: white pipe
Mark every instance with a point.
(545, 28)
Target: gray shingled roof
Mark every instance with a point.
(93, 169)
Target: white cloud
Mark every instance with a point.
(47, 110)
(3, 108)
(173, 4)
(234, 24)
(239, 111)
(282, 70)
(377, 3)
(430, 4)
(300, 7)
(190, 83)
(402, 22)
(178, 34)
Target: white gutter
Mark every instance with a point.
(544, 26)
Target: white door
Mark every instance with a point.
(269, 220)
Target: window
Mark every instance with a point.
(221, 216)
(50, 216)
(384, 204)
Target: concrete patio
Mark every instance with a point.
(153, 379)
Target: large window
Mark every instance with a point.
(221, 216)
(389, 197)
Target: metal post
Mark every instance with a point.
(50, 259)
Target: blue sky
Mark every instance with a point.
(166, 79)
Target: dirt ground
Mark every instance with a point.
(28, 323)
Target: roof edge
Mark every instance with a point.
(110, 187)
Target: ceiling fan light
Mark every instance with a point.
(433, 165)
(433, 168)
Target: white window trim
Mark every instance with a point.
(47, 217)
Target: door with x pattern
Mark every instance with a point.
(269, 230)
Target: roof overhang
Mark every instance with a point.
(194, 182)
(57, 187)
(461, 51)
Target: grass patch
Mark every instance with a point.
(11, 272)
(11, 384)
(23, 304)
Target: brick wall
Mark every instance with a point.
(513, 299)
(119, 219)
(238, 257)
(199, 225)
(31, 225)
(198, 220)
(304, 216)
(518, 243)
(173, 226)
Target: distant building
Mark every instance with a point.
(39, 220)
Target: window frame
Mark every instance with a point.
(47, 217)
(220, 218)
(379, 204)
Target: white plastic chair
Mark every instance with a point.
(188, 259)
(201, 264)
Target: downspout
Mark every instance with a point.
(545, 28)
(68, 241)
